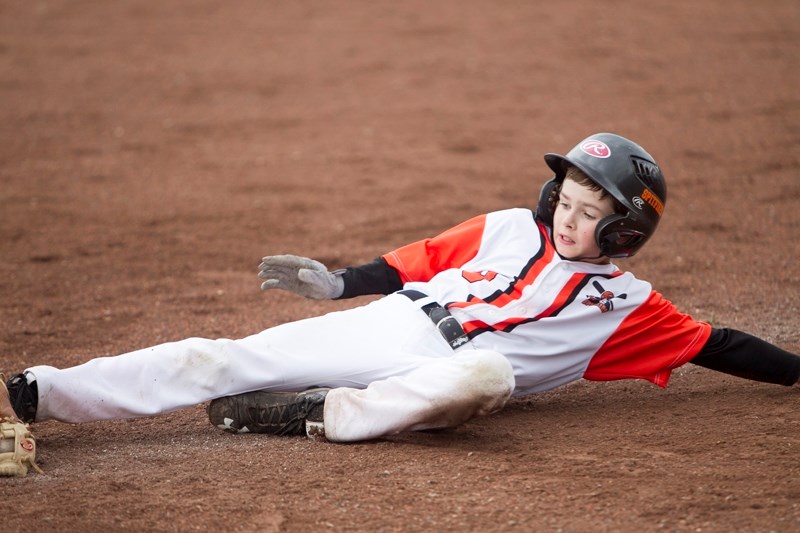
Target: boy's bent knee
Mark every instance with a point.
(488, 379)
(446, 393)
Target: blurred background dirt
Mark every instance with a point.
(152, 152)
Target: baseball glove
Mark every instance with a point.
(17, 448)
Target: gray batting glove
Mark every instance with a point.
(300, 275)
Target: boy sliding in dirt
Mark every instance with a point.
(509, 303)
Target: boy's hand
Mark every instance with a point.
(300, 275)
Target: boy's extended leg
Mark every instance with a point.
(351, 348)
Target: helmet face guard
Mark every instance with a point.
(628, 174)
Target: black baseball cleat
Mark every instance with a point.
(24, 396)
(273, 413)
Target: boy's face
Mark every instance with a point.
(578, 211)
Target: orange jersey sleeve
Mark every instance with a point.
(649, 344)
(421, 260)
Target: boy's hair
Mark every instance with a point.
(578, 176)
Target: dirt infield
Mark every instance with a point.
(152, 152)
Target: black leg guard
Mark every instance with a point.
(24, 397)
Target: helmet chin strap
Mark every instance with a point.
(582, 258)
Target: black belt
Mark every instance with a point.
(446, 323)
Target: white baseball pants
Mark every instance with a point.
(390, 369)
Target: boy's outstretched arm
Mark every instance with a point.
(312, 279)
(746, 356)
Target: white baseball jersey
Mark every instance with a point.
(556, 320)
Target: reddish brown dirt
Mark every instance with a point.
(152, 152)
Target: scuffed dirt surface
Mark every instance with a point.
(152, 152)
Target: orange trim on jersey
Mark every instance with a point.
(528, 276)
(421, 260)
(651, 341)
(564, 297)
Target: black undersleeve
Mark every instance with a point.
(745, 356)
(376, 277)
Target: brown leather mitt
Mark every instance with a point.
(17, 445)
(17, 448)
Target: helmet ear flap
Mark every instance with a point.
(617, 240)
(548, 198)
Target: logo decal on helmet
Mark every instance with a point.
(638, 202)
(595, 148)
(652, 199)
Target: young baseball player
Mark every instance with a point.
(512, 302)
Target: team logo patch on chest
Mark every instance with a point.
(605, 301)
(474, 277)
